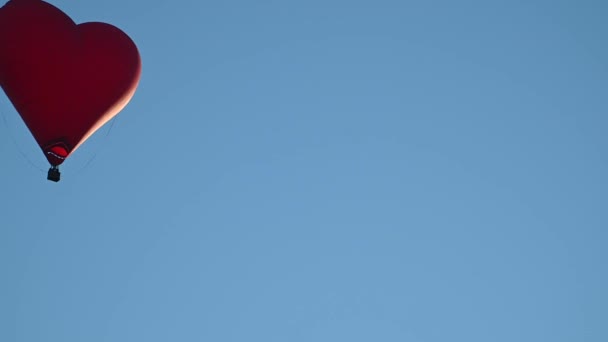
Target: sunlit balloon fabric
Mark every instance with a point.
(65, 80)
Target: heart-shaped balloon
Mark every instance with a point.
(65, 80)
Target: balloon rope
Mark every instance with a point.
(17, 147)
(97, 152)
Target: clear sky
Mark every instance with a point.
(325, 170)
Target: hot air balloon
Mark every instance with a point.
(65, 80)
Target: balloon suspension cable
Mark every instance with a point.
(14, 141)
(104, 138)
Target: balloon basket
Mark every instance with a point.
(54, 174)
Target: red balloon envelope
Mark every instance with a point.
(64, 80)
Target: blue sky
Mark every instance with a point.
(417, 171)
